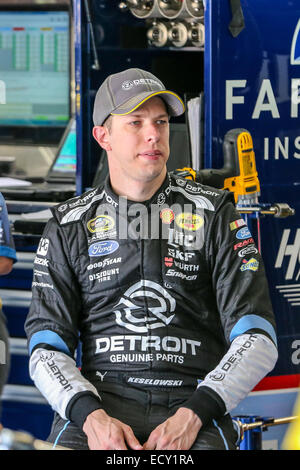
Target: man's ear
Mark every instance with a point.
(101, 134)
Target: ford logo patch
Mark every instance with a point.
(103, 248)
(243, 233)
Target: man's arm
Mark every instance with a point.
(248, 360)
(73, 397)
(248, 324)
(7, 247)
(6, 265)
(52, 330)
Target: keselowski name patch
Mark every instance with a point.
(155, 382)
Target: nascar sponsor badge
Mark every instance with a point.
(236, 224)
(189, 221)
(101, 223)
(243, 243)
(248, 250)
(243, 233)
(103, 248)
(251, 265)
(168, 261)
(43, 247)
(167, 216)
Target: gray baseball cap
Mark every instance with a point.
(123, 92)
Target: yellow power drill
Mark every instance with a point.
(238, 174)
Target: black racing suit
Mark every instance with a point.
(156, 293)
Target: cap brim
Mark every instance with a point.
(174, 103)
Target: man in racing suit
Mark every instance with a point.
(160, 280)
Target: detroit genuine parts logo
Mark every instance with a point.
(130, 308)
(140, 347)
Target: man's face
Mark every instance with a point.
(139, 142)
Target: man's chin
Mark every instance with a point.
(153, 174)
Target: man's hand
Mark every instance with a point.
(176, 433)
(106, 433)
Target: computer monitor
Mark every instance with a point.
(34, 73)
(64, 164)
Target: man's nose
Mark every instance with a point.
(152, 133)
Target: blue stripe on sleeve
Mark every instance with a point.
(221, 434)
(248, 322)
(48, 337)
(8, 252)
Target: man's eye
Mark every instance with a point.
(162, 121)
(134, 123)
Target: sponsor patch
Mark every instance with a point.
(168, 261)
(103, 264)
(43, 247)
(41, 261)
(173, 273)
(248, 250)
(198, 189)
(167, 216)
(244, 243)
(236, 224)
(129, 312)
(104, 275)
(251, 265)
(243, 233)
(183, 239)
(42, 284)
(181, 255)
(102, 223)
(103, 248)
(189, 221)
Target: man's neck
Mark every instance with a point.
(134, 190)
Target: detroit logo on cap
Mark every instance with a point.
(127, 85)
(295, 49)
